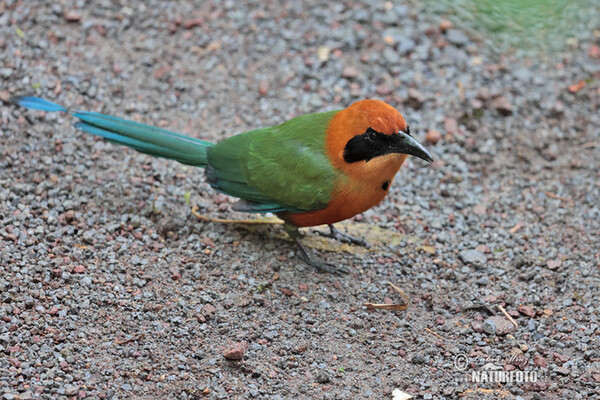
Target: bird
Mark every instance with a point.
(314, 169)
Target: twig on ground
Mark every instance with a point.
(588, 145)
(434, 334)
(508, 316)
(391, 307)
(234, 221)
(518, 226)
(557, 197)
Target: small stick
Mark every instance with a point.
(557, 197)
(588, 145)
(233, 221)
(434, 334)
(518, 226)
(389, 307)
(508, 316)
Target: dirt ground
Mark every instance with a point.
(111, 289)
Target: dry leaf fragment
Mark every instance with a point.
(576, 87)
(518, 226)
(398, 394)
(427, 249)
(389, 307)
(323, 53)
(214, 46)
(400, 292)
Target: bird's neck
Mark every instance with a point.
(382, 168)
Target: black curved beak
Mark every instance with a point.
(406, 144)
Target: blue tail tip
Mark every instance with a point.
(36, 103)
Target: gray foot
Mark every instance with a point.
(343, 237)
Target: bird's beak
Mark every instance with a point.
(406, 144)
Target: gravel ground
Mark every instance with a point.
(110, 288)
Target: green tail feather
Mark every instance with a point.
(144, 138)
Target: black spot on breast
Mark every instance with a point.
(385, 185)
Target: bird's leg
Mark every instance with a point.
(343, 237)
(305, 254)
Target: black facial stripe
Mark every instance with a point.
(385, 185)
(369, 145)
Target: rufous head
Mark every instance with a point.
(369, 136)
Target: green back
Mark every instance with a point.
(284, 167)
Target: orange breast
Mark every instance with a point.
(353, 195)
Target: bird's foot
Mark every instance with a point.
(308, 258)
(343, 237)
(316, 263)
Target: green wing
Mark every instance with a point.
(283, 168)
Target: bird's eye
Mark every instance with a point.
(371, 134)
(407, 130)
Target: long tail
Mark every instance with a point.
(143, 138)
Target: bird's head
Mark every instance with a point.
(371, 136)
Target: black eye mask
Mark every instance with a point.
(373, 144)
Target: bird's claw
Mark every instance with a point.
(314, 262)
(331, 269)
(323, 266)
(343, 237)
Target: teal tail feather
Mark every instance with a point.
(143, 138)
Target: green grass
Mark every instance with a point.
(538, 26)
